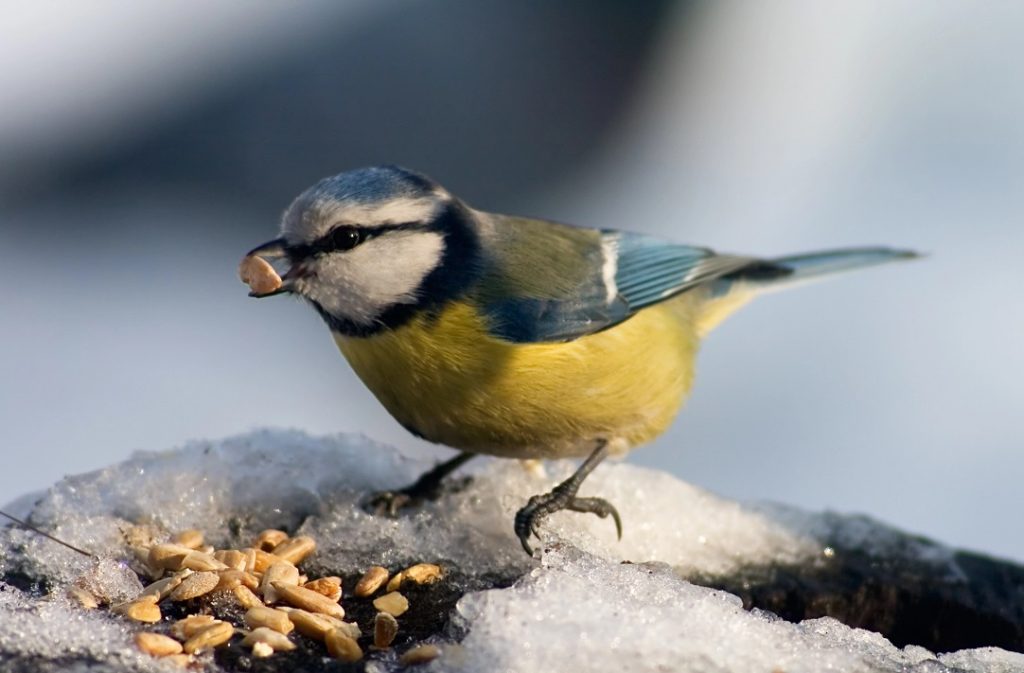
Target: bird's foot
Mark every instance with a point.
(561, 497)
(390, 503)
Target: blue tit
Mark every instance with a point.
(510, 336)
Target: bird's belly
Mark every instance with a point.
(448, 380)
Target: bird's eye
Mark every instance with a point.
(343, 238)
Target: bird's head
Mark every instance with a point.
(369, 248)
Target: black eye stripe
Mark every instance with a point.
(345, 237)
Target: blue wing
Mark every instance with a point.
(612, 278)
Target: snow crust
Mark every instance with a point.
(589, 602)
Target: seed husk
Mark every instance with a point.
(420, 654)
(277, 620)
(296, 549)
(212, 636)
(371, 580)
(268, 636)
(385, 628)
(270, 538)
(191, 538)
(326, 586)
(394, 603)
(308, 600)
(342, 646)
(245, 597)
(183, 629)
(194, 586)
(157, 644)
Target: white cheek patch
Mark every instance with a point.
(362, 283)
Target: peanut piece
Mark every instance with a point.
(157, 644)
(270, 618)
(394, 603)
(212, 636)
(371, 580)
(308, 600)
(341, 646)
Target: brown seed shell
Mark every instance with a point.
(269, 539)
(371, 580)
(420, 654)
(268, 636)
(212, 636)
(270, 618)
(157, 644)
(194, 586)
(308, 600)
(296, 549)
(394, 603)
(342, 646)
(385, 628)
(191, 538)
(326, 586)
(257, 273)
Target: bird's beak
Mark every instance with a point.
(270, 251)
(274, 249)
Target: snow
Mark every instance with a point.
(578, 603)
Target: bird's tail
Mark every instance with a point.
(730, 292)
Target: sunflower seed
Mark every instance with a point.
(371, 580)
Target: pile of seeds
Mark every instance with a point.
(264, 581)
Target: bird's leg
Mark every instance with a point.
(427, 487)
(562, 497)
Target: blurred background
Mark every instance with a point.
(144, 147)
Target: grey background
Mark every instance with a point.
(143, 148)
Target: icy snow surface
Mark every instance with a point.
(578, 608)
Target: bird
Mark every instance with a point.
(511, 336)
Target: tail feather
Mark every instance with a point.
(729, 293)
(826, 262)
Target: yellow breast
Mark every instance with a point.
(448, 380)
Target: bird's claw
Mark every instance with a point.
(528, 518)
(390, 503)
